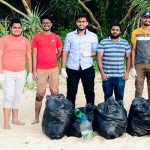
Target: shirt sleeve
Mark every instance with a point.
(95, 43)
(67, 44)
(34, 42)
(2, 44)
(128, 48)
(100, 47)
(59, 42)
(133, 37)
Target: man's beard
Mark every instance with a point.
(146, 24)
(81, 29)
(114, 37)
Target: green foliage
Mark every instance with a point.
(67, 7)
(95, 65)
(31, 87)
(31, 26)
(4, 27)
(62, 32)
(64, 11)
(138, 7)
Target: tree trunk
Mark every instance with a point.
(14, 9)
(28, 10)
(91, 15)
(29, 4)
(128, 13)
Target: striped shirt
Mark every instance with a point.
(142, 40)
(113, 57)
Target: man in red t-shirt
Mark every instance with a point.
(47, 49)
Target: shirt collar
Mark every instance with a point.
(86, 31)
(117, 41)
(143, 30)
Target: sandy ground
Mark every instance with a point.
(30, 137)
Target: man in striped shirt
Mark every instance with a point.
(112, 52)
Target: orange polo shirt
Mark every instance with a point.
(14, 52)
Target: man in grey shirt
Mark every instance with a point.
(141, 54)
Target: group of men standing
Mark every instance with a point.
(77, 63)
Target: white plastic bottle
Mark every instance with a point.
(86, 129)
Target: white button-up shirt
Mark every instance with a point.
(76, 44)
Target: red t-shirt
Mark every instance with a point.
(46, 49)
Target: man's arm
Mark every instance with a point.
(128, 62)
(64, 59)
(63, 64)
(100, 65)
(34, 59)
(94, 46)
(59, 53)
(133, 51)
(1, 55)
(29, 59)
(93, 53)
(128, 66)
(34, 63)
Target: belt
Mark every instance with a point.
(145, 62)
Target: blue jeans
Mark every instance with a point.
(114, 83)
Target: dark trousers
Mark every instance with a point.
(114, 83)
(87, 77)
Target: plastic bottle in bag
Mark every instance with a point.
(79, 114)
(86, 129)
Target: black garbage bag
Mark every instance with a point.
(139, 117)
(74, 129)
(57, 116)
(110, 119)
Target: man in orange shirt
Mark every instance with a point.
(141, 55)
(47, 49)
(14, 49)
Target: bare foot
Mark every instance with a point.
(35, 121)
(17, 122)
(6, 126)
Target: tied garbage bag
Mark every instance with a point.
(139, 117)
(57, 116)
(74, 129)
(110, 119)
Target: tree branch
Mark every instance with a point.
(128, 13)
(14, 9)
(90, 14)
(26, 7)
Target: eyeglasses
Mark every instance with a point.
(44, 23)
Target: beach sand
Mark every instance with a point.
(31, 137)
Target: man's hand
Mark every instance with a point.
(86, 54)
(104, 77)
(133, 73)
(30, 78)
(126, 76)
(64, 73)
(35, 76)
